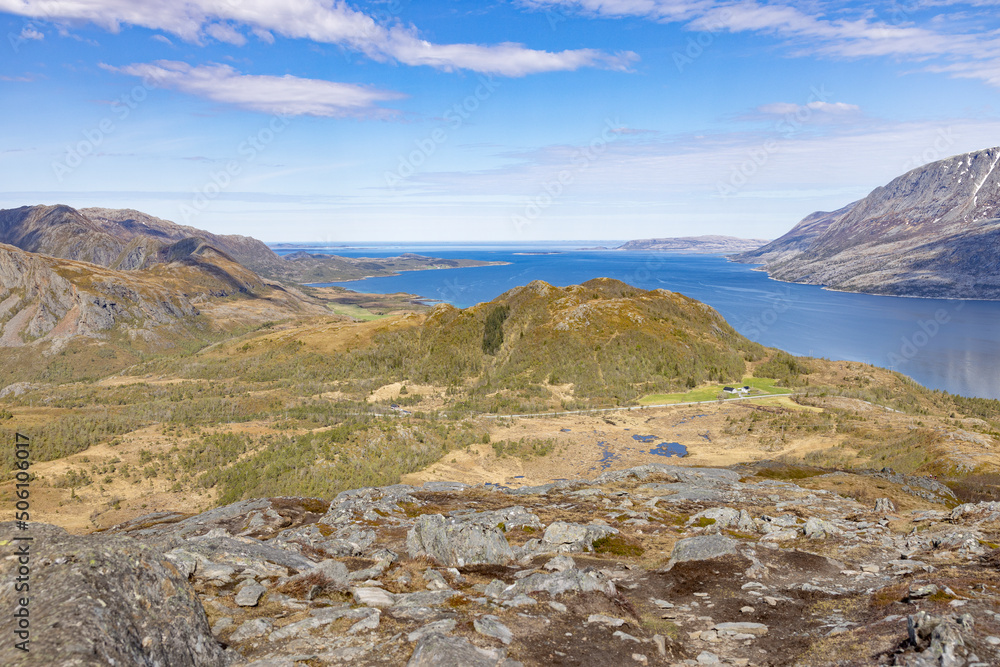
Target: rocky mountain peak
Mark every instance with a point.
(929, 232)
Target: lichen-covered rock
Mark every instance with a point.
(563, 536)
(937, 640)
(817, 529)
(104, 600)
(349, 505)
(555, 583)
(725, 517)
(884, 506)
(249, 595)
(506, 518)
(261, 518)
(452, 541)
(702, 547)
(436, 650)
(490, 626)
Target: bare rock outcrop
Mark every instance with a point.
(760, 572)
(103, 600)
(46, 299)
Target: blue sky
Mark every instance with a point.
(316, 120)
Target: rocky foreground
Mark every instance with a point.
(656, 565)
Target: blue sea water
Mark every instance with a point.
(952, 345)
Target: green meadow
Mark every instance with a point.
(758, 387)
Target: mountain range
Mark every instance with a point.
(66, 273)
(120, 239)
(932, 232)
(121, 275)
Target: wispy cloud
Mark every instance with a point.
(856, 158)
(285, 95)
(785, 108)
(915, 31)
(319, 21)
(664, 10)
(225, 32)
(30, 32)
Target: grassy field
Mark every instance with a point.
(355, 312)
(759, 387)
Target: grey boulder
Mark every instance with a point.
(702, 547)
(457, 542)
(104, 599)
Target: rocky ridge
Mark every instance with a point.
(136, 229)
(124, 240)
(934, 231)
(43, 299)
(653, 565)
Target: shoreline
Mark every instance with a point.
(394, 274)
(761, 268)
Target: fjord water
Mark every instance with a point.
(952, 345)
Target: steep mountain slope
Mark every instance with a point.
(59, 231)
(44, 299)
(934, 231)
(129, 224)
(119, 239)
(797, 240)
(49, 300)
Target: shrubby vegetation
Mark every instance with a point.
(610, 342)
(323, 463)
(525, 448)
(493, 330)
(71, 433)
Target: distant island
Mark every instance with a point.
(708, 244)
(319, 268)
(932, 232)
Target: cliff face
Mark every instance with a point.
(44, 299)
(934, 231)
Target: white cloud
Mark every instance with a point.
(786, 108)
(317, 20)
(988, 72)
(912, 31)
(225, 33)
(671, 10)
(285, 95)
(779, 108)
(29, 32)
(263, 35)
